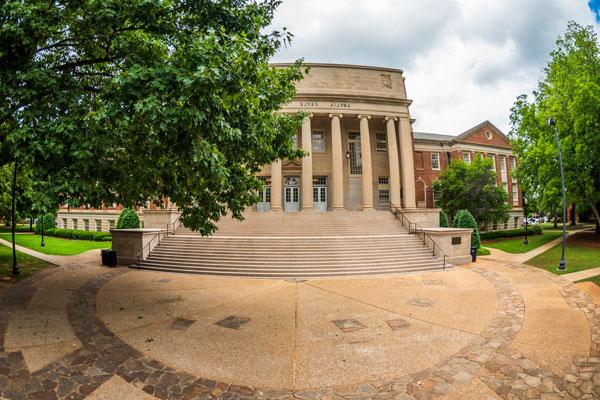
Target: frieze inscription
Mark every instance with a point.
(309, 104)
(340, 105)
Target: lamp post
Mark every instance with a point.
(526, 219)
(43, 244)
(347, 154)
(562, 266)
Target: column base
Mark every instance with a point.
(368, 209)
(338, 209)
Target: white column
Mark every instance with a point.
(393, 161)
(367, 174)
(337, 157)
(408, 164)
(307, 167)
(276, 185)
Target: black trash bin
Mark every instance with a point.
(109, 258)
(473, 254)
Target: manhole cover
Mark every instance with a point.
(233, 322)
(348, 325)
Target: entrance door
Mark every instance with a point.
(264, 204)
(320, 198)
(292, 193)
(320, 193)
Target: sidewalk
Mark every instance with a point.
(91, 257)
(502, 256)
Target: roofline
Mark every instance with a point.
(332, 65)
(478, 126)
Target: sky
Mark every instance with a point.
(465, 61)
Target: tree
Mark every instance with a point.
(569, 92)
(443, 219)
(128, 219)
(48, 221)
(134, 101)
(464, 219)
(473, 187)
(23, 198)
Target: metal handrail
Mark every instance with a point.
(173, 225)
(396, 210)
(156, 235)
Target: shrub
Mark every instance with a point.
(443, 219)
(79, 235)
(464, 219)
(532, 230)
(49, 222)
(128, 219)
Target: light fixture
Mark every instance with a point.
(347, 154)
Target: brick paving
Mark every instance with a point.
(488, 357)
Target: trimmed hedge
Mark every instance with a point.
(79, 235)
(128, 219)
(49, 222)
(531, 230)
(464, 219)
(443, 219)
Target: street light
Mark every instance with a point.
(562, 266)
(526, 220)
(43, 243)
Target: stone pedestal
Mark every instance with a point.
(129, 242)
(425, 217)
(455, 243)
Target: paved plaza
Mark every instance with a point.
(485, 331)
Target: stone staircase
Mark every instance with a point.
(296, 245)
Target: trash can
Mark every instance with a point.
(109, 258)
(473, 254)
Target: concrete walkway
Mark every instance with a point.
(91, 257)
(490, 330)
(580, 275)
(499, 255)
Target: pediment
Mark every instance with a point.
(291, 163)
(485, 133)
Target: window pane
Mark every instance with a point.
(354, 148)
(435, 161)
(318, 142)
(381, 142)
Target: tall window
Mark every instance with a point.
(493, 158)
(466, 157)
(435, 161)
(318, 142)
(75, 223)
(295, 141)
(86, 224)
(98, 225)
(381, 142)
(64, 222)
(435, 194)
(513, 166)
(503, 163)
(355, 156)
(111, 224)
(384, 189)
(515, 195)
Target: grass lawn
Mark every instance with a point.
(482, 251)
(582, 252)
(515, 244)
(56, 246)
(28, 265)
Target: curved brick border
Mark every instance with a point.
(488, 357)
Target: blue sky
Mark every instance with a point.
(465, 61)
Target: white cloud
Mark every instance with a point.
(465, 61)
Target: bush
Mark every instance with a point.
(128, 219)
(443, 219)
(532, 230)
(464, 219)
(49, 222)
(79, 235)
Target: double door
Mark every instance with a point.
(291, 193)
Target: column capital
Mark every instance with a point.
(340, 116)
(309, 115)
(388, 118)
(361, 116)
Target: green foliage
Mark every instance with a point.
(464, 219)
(80, 235)
(128, 219)
(132, 101)
(569, 92)
(23, 198)
(49, 222)
(443, 219)
(472, 186)
(482, 251)
(531, 230)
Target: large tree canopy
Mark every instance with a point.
(131, 101)
(570, 94)
(472, 187)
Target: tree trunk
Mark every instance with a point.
(15, 267)
(555, 218)
(595, 208)
(573, 213)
